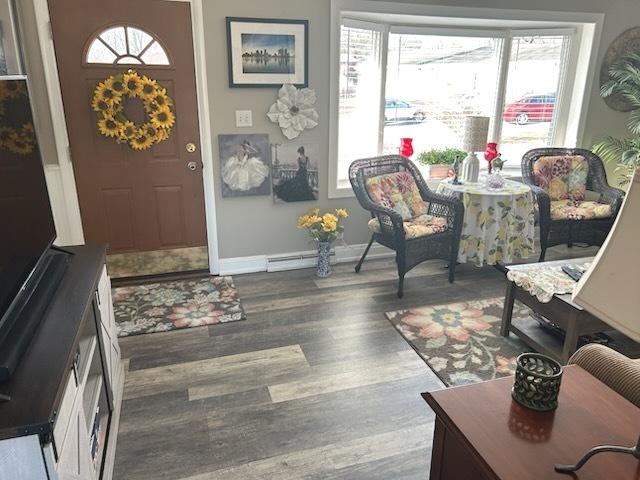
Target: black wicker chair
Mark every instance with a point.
(558, 232)
(409, 252)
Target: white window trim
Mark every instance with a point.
(577, 78)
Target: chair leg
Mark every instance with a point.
(401, 286)
(544, 237)
(452, 271)
(366, 250)
(400, 260)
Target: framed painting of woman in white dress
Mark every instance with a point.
(245, 165)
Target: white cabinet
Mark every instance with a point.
(85, 421)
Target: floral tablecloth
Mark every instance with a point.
(544, 281)
(498, 223)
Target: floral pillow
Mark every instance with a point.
(399, 192)
(562, 177)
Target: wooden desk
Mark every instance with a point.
(573, 319)
(482, 434)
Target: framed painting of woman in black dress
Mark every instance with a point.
(295, 173)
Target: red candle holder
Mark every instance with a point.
(406, 147)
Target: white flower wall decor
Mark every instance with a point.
(294, 110)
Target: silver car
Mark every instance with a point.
(395, 110)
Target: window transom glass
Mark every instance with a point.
(126, 45)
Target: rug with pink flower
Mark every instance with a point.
(164, 306)
(461, 342)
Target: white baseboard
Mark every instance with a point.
(298, 260)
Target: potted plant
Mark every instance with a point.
(439, 161)
(323, 229)
(624, 153)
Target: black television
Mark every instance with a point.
(26, 220)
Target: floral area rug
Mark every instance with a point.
(461, 342)
(160, 307)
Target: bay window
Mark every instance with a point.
(421, 81)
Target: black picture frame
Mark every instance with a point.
(232, 54)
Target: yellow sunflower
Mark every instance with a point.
(149, 130)
(109, 127)
(163, 118)
(99, 104)
(19, 144)
(141, 142)
(128, 130)
(116, 84)
(132, 83)
(161, 99)
(162, 134)
(14, 89)
(149, 87)
(106, 92)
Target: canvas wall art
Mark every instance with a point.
(267, 52)
(295, 173)
(245, 165)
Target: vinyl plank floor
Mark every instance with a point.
(314, 385)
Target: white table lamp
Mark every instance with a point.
(476, 131)
(609, 290)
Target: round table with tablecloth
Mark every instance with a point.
(498, 223)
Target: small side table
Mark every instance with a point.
(498, 223)
(482, 434)
(560, 310)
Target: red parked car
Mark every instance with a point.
(531, 108)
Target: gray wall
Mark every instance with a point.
(254, 225)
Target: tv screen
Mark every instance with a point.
(27, 228)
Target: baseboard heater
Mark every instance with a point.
(279, 263)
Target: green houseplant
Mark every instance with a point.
(624, 80)
(439, 161)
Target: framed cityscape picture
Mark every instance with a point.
(267, 52)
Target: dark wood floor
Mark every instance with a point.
(315, 384)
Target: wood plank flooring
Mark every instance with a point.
(315, 384)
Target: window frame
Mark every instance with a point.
(575, 81)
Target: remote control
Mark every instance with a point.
(574, 272)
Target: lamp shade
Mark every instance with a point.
(610, 288)
(476, 131)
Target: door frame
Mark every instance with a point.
(70, 196)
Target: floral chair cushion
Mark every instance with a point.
(562, 177)
(420, 226)
(568, 210)
(399, 192)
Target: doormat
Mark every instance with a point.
(164, 306)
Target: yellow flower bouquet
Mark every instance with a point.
(325, 227)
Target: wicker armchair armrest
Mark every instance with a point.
(612, 368)
(543, 200)
(611, 195)
(391, 222)
(442, 205)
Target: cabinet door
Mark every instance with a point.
(75, 458)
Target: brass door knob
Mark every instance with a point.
(191, 147)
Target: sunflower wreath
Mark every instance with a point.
(108, 103)
(18, 139)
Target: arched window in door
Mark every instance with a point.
(125, 45)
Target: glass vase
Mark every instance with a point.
(324, 254)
